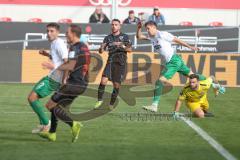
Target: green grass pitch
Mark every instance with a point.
(110, 137)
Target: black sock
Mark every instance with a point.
(114, 95)
(61, 114)
(54, 122)
(101, 90)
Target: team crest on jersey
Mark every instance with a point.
(121, 38)
(72, 54)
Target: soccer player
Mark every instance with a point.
(117, 44)
(58, 54)
(77, 82)
(195, 95)
(162, 43)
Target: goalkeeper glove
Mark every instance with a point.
(221, 89)
(176, 115)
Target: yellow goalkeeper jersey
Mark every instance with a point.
(198, 95)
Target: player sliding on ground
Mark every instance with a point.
(195, 95)
(77, 82)
(58, 54)
(162, 43)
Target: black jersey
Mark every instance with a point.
(80, 52)
(116, 53)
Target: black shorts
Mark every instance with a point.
(115, 72)
(68, 92)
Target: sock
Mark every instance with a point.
(61, 114)
(201, 77)
(39, 110)
(101, 90)
(40, 121)
(54, 122)
(114, 95)
(157, 92)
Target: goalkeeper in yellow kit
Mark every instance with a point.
(195, 95)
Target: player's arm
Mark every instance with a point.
(176, 114)
(45, 53)
(139, 33)
(127, 48)
(102, 47)
(126, 45)
(68, 66)
(178, 105)
(65, 73)
(179, 41)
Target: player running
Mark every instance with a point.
(58, 54)
(162, 43)
(195, 95)
(117, 44)
(77, 65)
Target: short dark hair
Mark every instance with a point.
(192, 76)
(116, 20)
(76, 29)
(54, 25)
(151, 23)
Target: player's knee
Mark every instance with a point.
(199, 114)
(32, 97)
(162, 78)
(104, 81)
(116, 85)
(49, 105)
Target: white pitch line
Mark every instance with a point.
(218, 147)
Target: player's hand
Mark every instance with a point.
(195, 49)
(222, 90)
(139, 25)
(64, 81)
(176, 115)
(119, 44)
(44, 53)
(102, 47)
(47, 65)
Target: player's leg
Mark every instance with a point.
(102, 85)
(205, 108)
(167, 73)
(196, 109)
(199, 113)
(115, 92)
(217, 88)
(117, 76)
(101, 90)
(40, 90)
(160, 84)
(185, 70)
(58, 104)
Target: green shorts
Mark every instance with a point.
(176, 64)
(45, 87)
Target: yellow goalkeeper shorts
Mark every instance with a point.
(193, 106)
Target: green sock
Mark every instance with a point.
(41, 122)
(157, 92)
(39, 110)
(201, 77)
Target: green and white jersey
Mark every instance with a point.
(162, 43)
(58, 52)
